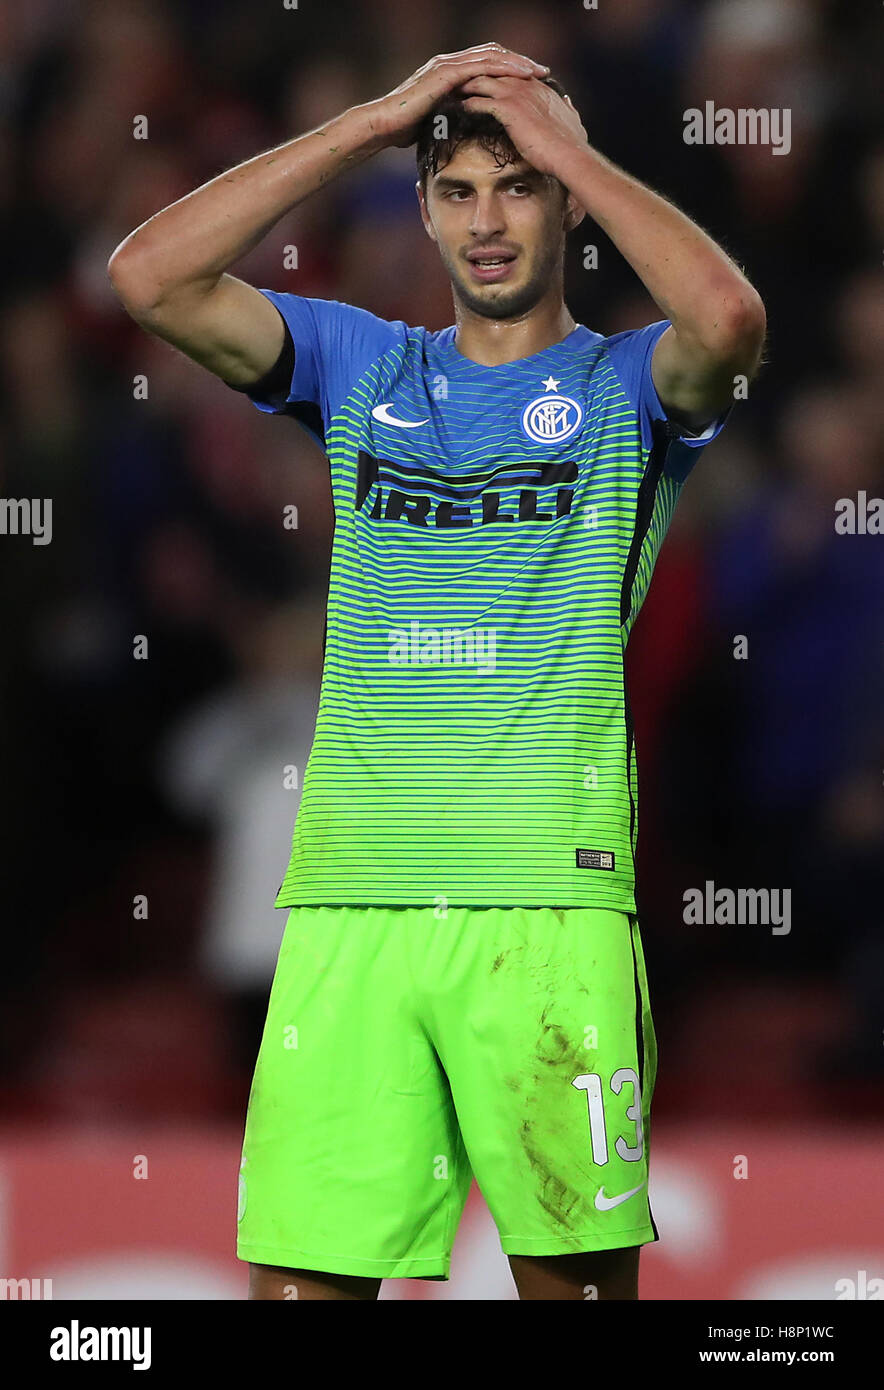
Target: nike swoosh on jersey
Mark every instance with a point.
(380, 413)
(603, 1203)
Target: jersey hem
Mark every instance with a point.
(610, 904)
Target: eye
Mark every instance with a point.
(458, 193)
(520, 188)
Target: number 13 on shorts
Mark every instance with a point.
(591, 1083)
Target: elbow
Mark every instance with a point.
(126, 282)
(738, 332)
(131, 283)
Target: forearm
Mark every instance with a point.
(693, 281)
(190, 244)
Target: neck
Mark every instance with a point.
(494, 342)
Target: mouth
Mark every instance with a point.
(491, 266)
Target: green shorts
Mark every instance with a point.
(405, 1052)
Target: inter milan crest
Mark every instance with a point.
(551, 418)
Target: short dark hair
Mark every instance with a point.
(434, 152)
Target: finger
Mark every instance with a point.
(479, 87)
(543, 67)
(444, 80)
(481, 104)
(498, 82)
(500, 88)
(493, 64)
(491, 56)
(487, 49)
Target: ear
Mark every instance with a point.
(425, 216)
(574, 213)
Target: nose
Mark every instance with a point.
(487, 220)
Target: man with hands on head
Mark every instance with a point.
(462, 957)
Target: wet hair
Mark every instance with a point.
(434, 152)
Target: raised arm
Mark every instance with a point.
(717, 318)
(171, 272)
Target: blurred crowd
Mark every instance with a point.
(146, 820)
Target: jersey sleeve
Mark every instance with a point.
(334, 343)
(631, 354)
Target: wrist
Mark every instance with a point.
(570, 158)
(361, 131)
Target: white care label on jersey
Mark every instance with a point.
(594, 859)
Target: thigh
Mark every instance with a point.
(588, 1275)
(269, 1282)
(552, 1062)
(349, 1111)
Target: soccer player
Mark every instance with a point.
(460, 987)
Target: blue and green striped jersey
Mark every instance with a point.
(496, 529)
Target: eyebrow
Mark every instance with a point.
(529, 176)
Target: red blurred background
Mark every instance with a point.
(145, 826)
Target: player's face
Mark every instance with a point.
(500, 231)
